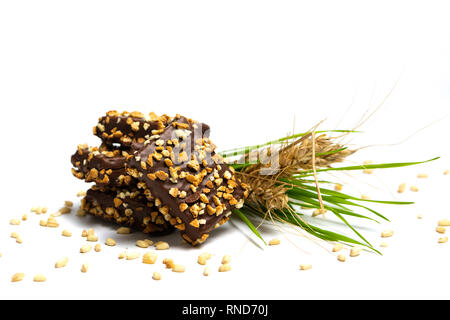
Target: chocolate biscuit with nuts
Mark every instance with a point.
(190, 184)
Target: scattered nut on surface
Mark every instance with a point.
(161, 245)
(61, 263)
(65, 210)
(25, 217)
(440, 229)
(414, 189)
(341, 258)
(443, 240)
(446, 172)
(91, 238)
(149, 258)
(224, 268)
(84, 234)
(419, 216)
(305, 266)
(384, 245)
(226, 259)
(81, 212)
(401, 188)
(206, 272)
(68, 203)
(19, 240)
(422, 175)
(365, 197)
(133, 255)
(156, 276)
(203, 258)
(387, 233)
(123, 230)
(178, 268)
(355, 251)
(122, 255)
(17, 277)
(168, 262)
(142, 244)
(338, 187)
(110, 242)
(338, 247)
(14, 222)
(39, 278)
(274, 242)
(66, 233)
(98, 247)
(84, 267)
(14, 235)
(86, 248)
(444, 223)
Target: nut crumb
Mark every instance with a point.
(39, 278)
(61, 263)
(161, 245)
(123, 230)
(17, 277)
(274, 242)
(156, 276)
(305, 266)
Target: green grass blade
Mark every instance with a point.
(242, 216)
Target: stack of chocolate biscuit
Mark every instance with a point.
(156, 173)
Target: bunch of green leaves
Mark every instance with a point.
(303, 193)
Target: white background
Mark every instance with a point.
(252, 70)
